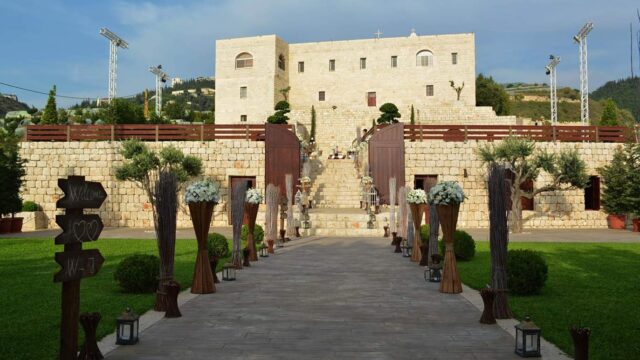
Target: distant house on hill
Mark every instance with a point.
(18, 114)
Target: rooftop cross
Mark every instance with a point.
(378, 33)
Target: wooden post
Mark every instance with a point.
(597, 134)
(68, 133)
(246, 132)
(465, 133)
(113, 132)
(421, 133)
(202, 132)
(157, 131)
(70, 307)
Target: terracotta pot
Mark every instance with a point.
(616, 221)
(448, 215)
(636, 225)
(5, 225)
(16, 224)
(270, 244)
(201, 214)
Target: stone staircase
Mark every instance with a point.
(335, 184)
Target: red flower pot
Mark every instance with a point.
(5, 225)
(636, 225)
(16, 224)
(616, 221)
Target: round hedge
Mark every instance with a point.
(30, 206)
(138, 273)
(217, 246)
(526, 271)
(424, 233)
(258, 234)
(463, 246)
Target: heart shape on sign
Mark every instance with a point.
(79, 229)
(93, 229)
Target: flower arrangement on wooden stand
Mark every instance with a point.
(251, 203)
(271, 217)
(447, 197)
(202, 197)
(417, 200)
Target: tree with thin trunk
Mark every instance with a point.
(523, 162)
(499, 200)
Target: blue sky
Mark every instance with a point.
(57, 42)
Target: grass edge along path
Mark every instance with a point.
(591, 284)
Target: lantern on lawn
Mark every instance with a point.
(433, 273)
(127, 328)
(264, 251)
(527, 338)
(405, 248)
(228, 272)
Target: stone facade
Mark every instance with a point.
(126, 204)
(563, 209)
(361, 67)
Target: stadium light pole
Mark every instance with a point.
(161, 78)
(581, 39)
(553, 96)
(115, 42)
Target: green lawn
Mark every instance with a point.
(596, 285)
(30, 301)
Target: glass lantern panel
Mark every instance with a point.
(519, 344)
(135, 329)
(125, 331)
(532, 342)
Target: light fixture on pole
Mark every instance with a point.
(581, 39)
(553, 96)
(115, 42)
(161, 78)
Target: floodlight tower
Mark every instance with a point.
(161, 78)
(551, 71)
(115, 42)
(581, 39)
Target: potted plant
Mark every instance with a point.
(615, 201)
(218, 248)
(447, 196)
(417, 199)
(202, 196)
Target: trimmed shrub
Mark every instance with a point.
(30, 206)
(463, 246)
(526, 271)
(258, 234)
(138, 273)
(424, 233)
(217, 246)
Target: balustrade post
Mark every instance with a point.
(113, 132)
(597, 134)
(157, 132)
(202, 132)
(68, 133)
(465, 133)
(246, 132)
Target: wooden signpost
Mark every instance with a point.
(76, 263)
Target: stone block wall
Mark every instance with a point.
(561, 209)
(127, 204)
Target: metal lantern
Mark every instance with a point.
(228, 272)
(264, 251)
(405, 248)
(127, 328)
(433, 273)
(528, 338)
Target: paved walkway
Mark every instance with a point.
(325, 298)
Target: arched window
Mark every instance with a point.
(424, 58)
(244, 60)
(281, 61)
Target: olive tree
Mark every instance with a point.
(566, 169)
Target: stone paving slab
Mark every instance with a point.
(327, 298)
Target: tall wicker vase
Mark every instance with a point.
(448, 215)
(416, 212)
(251, 212)
(201, 214)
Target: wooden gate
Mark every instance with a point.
(386, 159)
(282, 156)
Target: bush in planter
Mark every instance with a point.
(463, 246)
(30, 206)
(615, 177)
(526, 271)
(258, 235)
(138, 273)
(217, 246)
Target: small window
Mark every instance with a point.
(244, 60)
(394, 61)
(371, 99)
(424, 58)
(300, 66)
(454, 58)
(320, 95)
(332, 65)
(363, 63)
(281, 62)
(243, 92)
(592, 194)
(243, 118)
(429, 90)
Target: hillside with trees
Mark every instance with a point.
(625, 93)
(8, 104)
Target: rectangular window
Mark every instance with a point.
(424, 182)
(371, 99)
(429, 90)
(332, 65)
(300, 66)
(592, 194)
(363, 63)
(527, 204)
(320, 95)
(243, 92)
(454, 58)
(394, 61)
(243, 118)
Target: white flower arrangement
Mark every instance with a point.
(254, 196)
(417, 196)
(367, 180)
(445, 193)
(305, 179)
(202, 191)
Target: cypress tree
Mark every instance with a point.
(413, 116)
(50, 114)
(313, 123)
